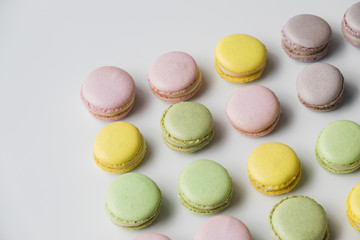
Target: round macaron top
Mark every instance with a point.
(223, 227)
(204, 183)
(338, 144)
(353, 204)
(307, 30)
(253, 108)
(108, 89)
(241, 54)
(117, 144)
(352, 17)
(188, 121)
(298, 218)
(152, 236)
(319, 83)
(273, 165)
(132, 197)
(173, 72)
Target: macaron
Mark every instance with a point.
(240, 58)
(298, 217)
(187, 126)
(320, 87)
(337, 147)
(222, 227)
(306, 37)
(253, 110)
(174, 77)
(152, 236)
(108, 93)
(353, 207)
(132, 201)
(119, 147)
(350, 25)
(273, 168)
(205, 187)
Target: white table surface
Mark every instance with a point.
(49, 184)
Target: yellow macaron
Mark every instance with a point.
(274, 168)
(119, 147)
(240, 58)
(353, 207)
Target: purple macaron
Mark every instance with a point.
(306, 37)
(350, 25)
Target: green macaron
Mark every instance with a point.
(205, 187)
(132, 201)
(187, 126)
(298, 218)
(338, 147)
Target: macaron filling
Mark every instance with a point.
(351, 167)
(125, 166)
(190, 143)
(107, 112)
(232, 74)
(181, 93)
(132, 224)
(281, 187)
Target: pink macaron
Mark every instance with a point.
(223, 227)
(174, 77)
(306, 37)
(253, 110)
(108, 93)
(350, 25)
(152, 236)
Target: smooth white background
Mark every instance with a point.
(50, 187)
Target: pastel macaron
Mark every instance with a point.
(174, 77)
(350, 25)
(273, 168)
(253, 110)
(187, 126)
(306, 37)
(320, 87)
(108, 93)
(240, 58)
(119, 147)
(132, 201)
(222, 227)
(353, 207)
(152, 236)
(297, 218)
(337, 147)
(205, 187)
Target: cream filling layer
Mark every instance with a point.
(272, 188)
(354, 166)
(351, 37)
(185, 145)
(135, 160)
(238, 74)
(120, 111)
(302, 53)
(190, 90)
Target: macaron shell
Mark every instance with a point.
(241, 53)
(298, 218)
(253, 109)
(337, 147)
(307, 30)
(223, 227)
(108, 89)
(353, 207)
(117, 145)
(132, 200)
(273, 168)
(173, 72)
(152, 236)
